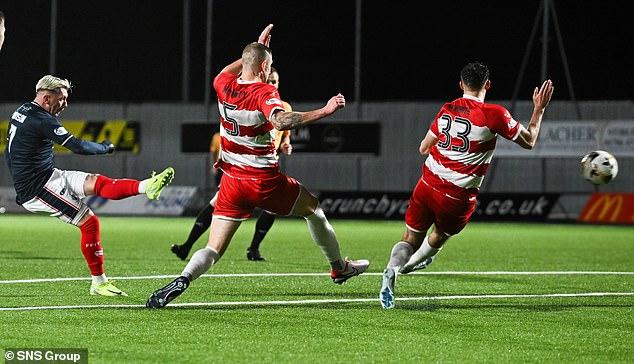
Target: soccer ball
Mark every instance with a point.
(599, 167)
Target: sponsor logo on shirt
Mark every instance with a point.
(512, 123)
(60, 131)
(273, 101)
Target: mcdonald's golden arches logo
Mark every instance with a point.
(615, 208)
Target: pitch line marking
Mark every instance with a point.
(302, 302)
(63, 279)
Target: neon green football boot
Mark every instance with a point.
(158, 182)
(106, 289)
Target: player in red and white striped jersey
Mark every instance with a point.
(283, 145)
(250, 109)
(466, 132)
(266, 219)
(247, 145)
(460, 144)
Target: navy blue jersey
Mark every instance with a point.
(29, 151)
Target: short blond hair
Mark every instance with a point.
(52, 83)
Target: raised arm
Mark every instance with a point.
(236, 66)
(265, 36)
(286, 120)
(528, 136)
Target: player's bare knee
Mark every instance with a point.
(92, 178)
(413, 237)
(438, 238)
(85, 218)
(89, 184)
(313, 203)
(306, 204)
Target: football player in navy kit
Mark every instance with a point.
(42, 188)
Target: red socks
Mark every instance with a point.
(91, 245)
(113, 189)
(116, 189)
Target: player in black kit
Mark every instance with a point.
(40, 187)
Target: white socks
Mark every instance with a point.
(99, 279)
(425, 251)
(324, 236)
(400, 254)
(200, 262)
(143, 185)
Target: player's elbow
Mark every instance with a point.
(526, 139)
(424, 148)
(526, 144)
(277, 122)
(285, 120)
(278, 125)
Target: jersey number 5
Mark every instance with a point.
(461, 127)
(235, 130)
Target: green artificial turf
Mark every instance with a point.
(488, 297)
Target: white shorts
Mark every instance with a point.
(62, 196)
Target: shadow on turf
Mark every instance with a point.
(476, 278)
(14, 254)
(21, 295)
(412, 306)
(313, 295)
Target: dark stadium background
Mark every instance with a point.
(131, 51)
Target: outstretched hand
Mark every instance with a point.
(335, 103)
(265, 36)
(542, 96)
